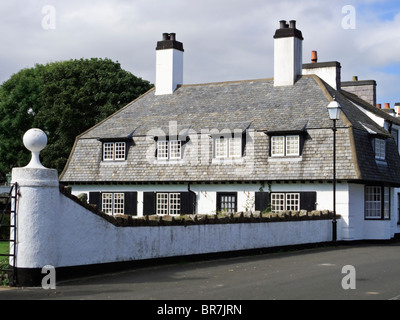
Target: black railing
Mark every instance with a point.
(8, 229)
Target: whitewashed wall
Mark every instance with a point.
(206, 193)
(55, 230)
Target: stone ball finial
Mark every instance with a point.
(35, 140)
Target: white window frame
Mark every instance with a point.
(168, 203)
(235, 147)
(386, 203)
(380, 149)
(175, 149)
(293, 201)
(228, 147)
(373, 202)
(114, 151)
(289, 146)
(169, 149)
(113, 203)
(281, 146)
(281, 201)
(278, 146)
(162, 149)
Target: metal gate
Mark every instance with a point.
(8, 231)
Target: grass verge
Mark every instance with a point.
(4, 249)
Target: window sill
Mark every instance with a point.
(113, 162)
(381, 162)
(285, 158)
(168, 161)
(238, 160)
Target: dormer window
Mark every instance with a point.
(169, 149)
(380, 149)
(282, 146)
(114, 151)
(228, 147)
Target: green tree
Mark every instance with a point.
(63, 99)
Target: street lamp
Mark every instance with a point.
(334, 109)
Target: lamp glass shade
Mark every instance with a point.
(334, 109)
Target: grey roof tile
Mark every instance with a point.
(241, 105)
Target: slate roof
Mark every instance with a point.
(255, 105)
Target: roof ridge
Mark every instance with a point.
(223, 82)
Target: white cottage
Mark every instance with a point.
(254, 145)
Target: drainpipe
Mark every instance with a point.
(195, 197)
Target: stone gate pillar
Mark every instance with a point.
(38, 188)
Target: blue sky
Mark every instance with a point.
(223, 39)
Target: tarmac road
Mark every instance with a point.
(308, 274)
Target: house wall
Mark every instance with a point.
(55, 230)
(349, 202)
(207, 193)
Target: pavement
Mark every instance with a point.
(343, 272)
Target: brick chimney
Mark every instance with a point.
(169, 64)
(288, 51)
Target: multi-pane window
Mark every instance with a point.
(285, 146)
(169, 149)
(380, 149)
(175, 149)
(235, 147)
(277, 202)
(168, 203)
(293, 201)
(377, 202)
(292, 145)
(285, 201)
(221, 148)
(162, 149)
(228, 147)
(373, 202)
(227, 202)
(112, 203)
(114, 151)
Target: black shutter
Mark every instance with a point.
(149, 203)
(218, 202)
(95, 198)
(188, 202)
(261, 201)
(308, 201)
(130, 203)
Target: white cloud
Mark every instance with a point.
(223, 39)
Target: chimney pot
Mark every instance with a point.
(387, 105)
(355, 78)
(292, 24)
(282, 24)
(165, 36)
(379, 106)
(314, 57)
(172, 36)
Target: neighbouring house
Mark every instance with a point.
(253, 145)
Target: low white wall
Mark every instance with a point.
(55, 230)
(91, 240)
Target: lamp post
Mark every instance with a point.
(334, 109)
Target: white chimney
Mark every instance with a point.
(169, 64)
(288, 51)
(330, 71)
